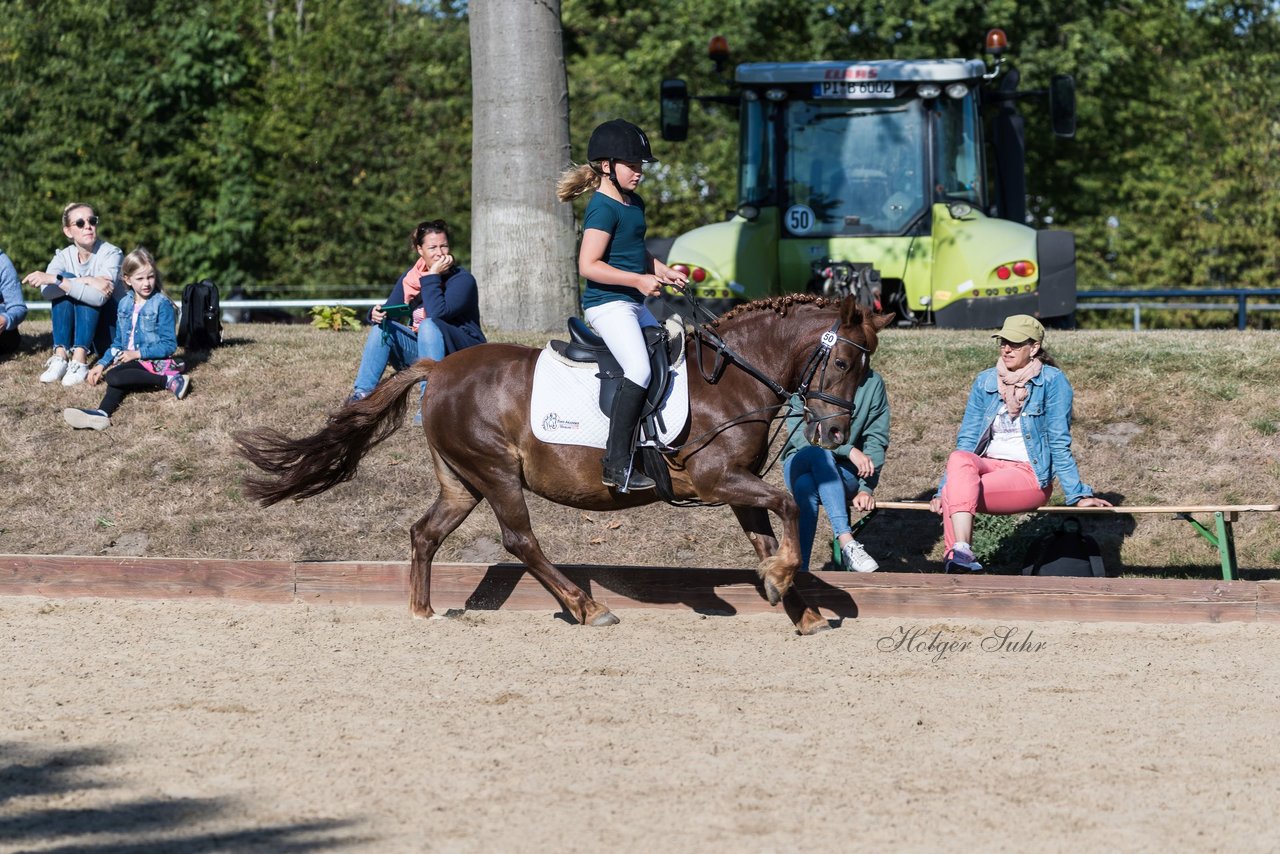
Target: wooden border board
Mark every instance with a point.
(708, 591)
(64, 577)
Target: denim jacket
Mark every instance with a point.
(155, 338)
(1046, 427)
(12, 305)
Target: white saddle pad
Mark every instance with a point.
(565, 404)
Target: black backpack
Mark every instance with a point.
(1065, 551)
(200, 325)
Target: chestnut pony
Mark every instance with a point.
(476, 417)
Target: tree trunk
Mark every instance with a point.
(522, 237)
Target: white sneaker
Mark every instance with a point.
(54, 369)
(76, 372)
(856, 557)
(87, 419)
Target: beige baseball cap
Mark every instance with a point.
(1020, 328)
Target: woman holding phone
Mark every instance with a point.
(433, 310)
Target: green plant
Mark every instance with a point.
(1002, 542)
(989, 535)
(334, 317)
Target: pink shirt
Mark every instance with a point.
(133, 329)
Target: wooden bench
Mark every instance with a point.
(1221, 535)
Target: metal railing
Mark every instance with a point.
(1136, 301)
(230, 304)
(1124, 300)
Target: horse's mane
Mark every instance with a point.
(778, 305)
(851, 312)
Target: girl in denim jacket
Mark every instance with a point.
(1014, 440)
(141, 353)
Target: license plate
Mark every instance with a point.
(853, 89)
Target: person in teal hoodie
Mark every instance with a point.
(838, 478)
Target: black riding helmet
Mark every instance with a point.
(619, 140)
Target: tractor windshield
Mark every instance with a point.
(957, 167)
(755, 174)
(864, 168)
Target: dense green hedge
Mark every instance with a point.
(244, 141)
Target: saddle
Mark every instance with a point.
(665, 345)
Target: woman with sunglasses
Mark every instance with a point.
(79, 282)
(1014, 439)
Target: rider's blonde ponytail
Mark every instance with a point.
(576, 180)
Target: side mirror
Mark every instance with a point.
(673, 110)
(1062, 105)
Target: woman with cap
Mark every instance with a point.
(620, 273)
(1014, 439)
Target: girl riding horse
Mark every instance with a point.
(620, 273)
(477, 422)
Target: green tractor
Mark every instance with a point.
(872, 178)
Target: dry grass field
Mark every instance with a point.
(1160, 417)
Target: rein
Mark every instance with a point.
(726, 355)
(817, 360)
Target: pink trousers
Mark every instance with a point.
(980, 485)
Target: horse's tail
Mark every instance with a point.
(312, 464)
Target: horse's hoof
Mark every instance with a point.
(422, 613)
(605, 619)
(809, 628)
(771, 592)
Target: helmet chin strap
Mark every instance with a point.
(613, 176)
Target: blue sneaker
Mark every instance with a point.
(957, 560)
(356, 397)
(179, 384)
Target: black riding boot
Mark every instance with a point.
(628, 403)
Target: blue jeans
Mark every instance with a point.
(107, 320)
(400, 347)
(814, 474)
(74, 324)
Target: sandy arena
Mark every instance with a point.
(194, 726)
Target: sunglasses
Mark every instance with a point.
(1004, 342)
(80, 223)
